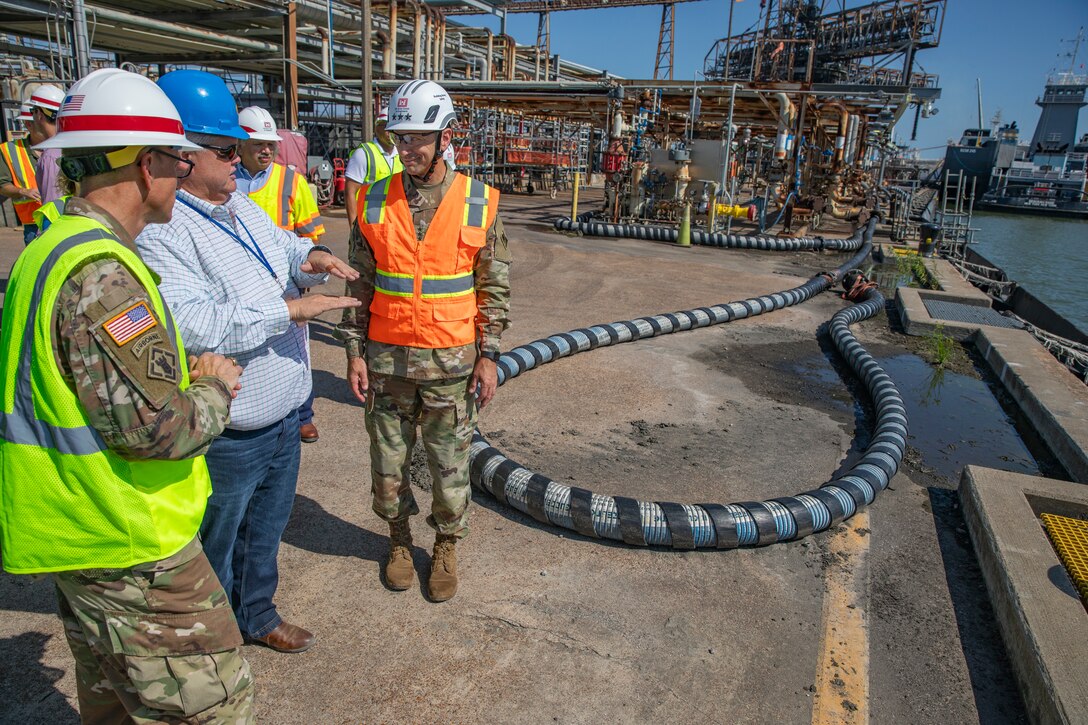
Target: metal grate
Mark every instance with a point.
(1070, 539)
(959, 312)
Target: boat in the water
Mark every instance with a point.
(1044, 177)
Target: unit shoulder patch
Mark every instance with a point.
(155, 379)
(162, 364)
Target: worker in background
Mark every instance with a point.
(233, 281)
(48, 166)
(614, 160)
(102, 478)
(371, 161)
(285, 196)
(282, 192)
(18, 175)
(434, 288)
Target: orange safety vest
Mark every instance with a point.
(17, 157)
(424, 292)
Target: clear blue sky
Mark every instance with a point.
(1010, 44)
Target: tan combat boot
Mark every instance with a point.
(399, 572)
(443, 582)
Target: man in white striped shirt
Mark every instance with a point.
(232, 280)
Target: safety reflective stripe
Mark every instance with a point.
(377, 165)
(287, 185)
(309, 228)
(398, 285)
(22, 171)
(374, 201)
(372, 162)
(454, 285)
(369, 160)
(21, 426)
(475, 203)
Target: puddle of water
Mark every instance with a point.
(888, 277)
(895, 273)
(953, 420)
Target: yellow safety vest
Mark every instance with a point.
(377, 165)
(49, 212)
(17, 156)
(286, 197)
(67, 501)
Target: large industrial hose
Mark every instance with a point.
(688, 526)
(715, 239)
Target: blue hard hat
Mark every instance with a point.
(204, 102)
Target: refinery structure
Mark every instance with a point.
(795, 114)
(908, 529)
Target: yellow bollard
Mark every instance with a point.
(684, 237)
(712, 208)
(574, 201)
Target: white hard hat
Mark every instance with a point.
(420, 106)
(383, 115)
(26, 113)
(112, 107)
(258, 123)
(48, 97)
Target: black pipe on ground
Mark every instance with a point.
(689, 526)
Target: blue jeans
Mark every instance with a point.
(30, 233)
(306, 410)
(254, 473)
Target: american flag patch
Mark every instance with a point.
(130, 324)
(72, 103)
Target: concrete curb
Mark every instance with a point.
(1050, 396)
(1039, 613)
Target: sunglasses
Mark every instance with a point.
(224, 153)
(413, 139)
(188, 164)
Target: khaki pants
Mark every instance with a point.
(446, 415)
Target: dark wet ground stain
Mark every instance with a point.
(956, 417)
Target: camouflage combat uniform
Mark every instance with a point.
(156, 642)
(425, 387)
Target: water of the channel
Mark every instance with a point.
(1048, 257)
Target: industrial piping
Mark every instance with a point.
(690, 526)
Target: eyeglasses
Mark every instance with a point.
(188, 164)
(224, 153)
(412, 140)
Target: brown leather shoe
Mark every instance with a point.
(287, 638)
(308, 433)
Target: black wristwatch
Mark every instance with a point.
(492, 356)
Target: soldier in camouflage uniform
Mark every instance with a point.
(154, 640)
(408, 385)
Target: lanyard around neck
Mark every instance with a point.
(254, 250)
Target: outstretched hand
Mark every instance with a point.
(321, 262)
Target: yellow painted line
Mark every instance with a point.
(842, 675)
